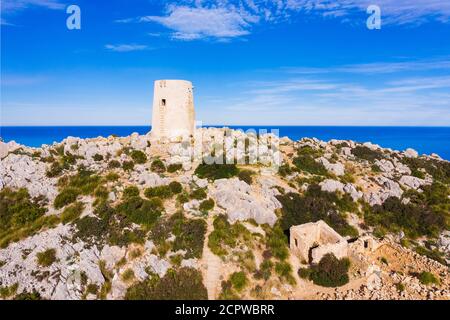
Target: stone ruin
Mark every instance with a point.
(311, 241)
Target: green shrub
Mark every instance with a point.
(365, 153)
(226, 235)
(28, 296)
(400, 287)
(198, 194)
(158, 166)
(112, 177)
(114, 164)
(182, 198)
(183, 284)
(128, 275)
(439, 170)
(284, 271)
(175, 187)
(206, 205)
(216, 171)
(425, 215)
(97, 157)
(239, 280)
(130, 191)
(72, 212)
(55, 170)
(174, 167)
(66, 196)
(128, 165)
(304, 273)
(330, 272)
(8, 292)
(277, 243)
(163, 192)
(138, 156)
(285, 170)
(140, 211)
(305, 161)
(427, 278)
(46, 258)
(17, 209)
(317, 205)
(246, 176)
(92, 288)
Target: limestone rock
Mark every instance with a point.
(410, 153)
(241, 203)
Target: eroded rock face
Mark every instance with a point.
(61, 280)
(241, 203)
(335, 168)
(412, 182)
(21, 171)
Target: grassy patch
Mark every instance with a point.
(72, 212)
(427, 278)
(138, 156)
(226, 236)
(216, 171)
(46, 258)
(181, 284)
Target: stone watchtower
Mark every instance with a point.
(173, 110)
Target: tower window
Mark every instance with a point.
(163, 102)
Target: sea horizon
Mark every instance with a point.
(424, 139)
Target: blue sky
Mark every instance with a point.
(279, 62)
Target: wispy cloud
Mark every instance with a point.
(189, 23)
(21, 80)
(126, 47)
(227, 19)
(10, 6)
(378, 67)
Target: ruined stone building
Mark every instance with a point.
(173, 110)
(311, 241)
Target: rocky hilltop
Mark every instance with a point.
(130, 218)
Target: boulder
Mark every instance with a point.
(241, 203)
(412, 182)
(410, 153)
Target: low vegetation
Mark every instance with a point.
(46, 258)
(315, 205)
(181, 284)
(329, 272)
(216, 171)
(305, 161)
(426, 214)
(427, 278)
(226, 236)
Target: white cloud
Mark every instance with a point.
(189, 23)
(126, 47)
(10, 6)
(379, 67)
(226, 19)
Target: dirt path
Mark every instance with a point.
(211, 266)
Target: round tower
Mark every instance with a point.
(173, 109)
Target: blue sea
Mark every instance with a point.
(423, 139)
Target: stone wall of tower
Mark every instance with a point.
(173, 109)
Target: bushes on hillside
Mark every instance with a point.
(141, 211)
(427, 278)
(174, 167)
(425, 215)
(72, 212)
(158, 166)
(216, 171)
(18, 209)
(316, 205)
(46, 258)
(130, 191)
(206, 205)
(138, 156)
(181, 284)
(329, 272)
(365, 153)
(305, 161)
(226, 235)
(239, 280)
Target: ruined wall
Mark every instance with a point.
(311, 241)
(173, 110)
